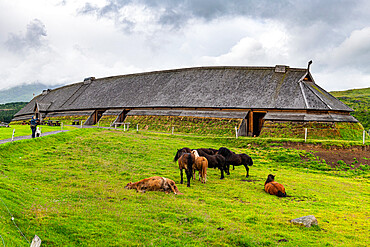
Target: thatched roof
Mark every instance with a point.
(203, 87)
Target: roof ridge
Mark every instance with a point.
(201, 68)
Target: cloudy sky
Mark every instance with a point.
(64, 41)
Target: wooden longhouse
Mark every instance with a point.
(253, 94)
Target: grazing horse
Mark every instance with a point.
(274, 188)
(181, 152)
(214, 161)
(201, 165)
(186, 161)
(154, 184)
(236, 159)
(209, 151)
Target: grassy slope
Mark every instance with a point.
(358, 100)
(69, 190)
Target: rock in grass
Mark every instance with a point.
(306, 221)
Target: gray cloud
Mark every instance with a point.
(300, 12)
(33, 38)
(111, 11)
(353, 53)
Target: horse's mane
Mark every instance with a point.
(270, 178)
(195, 152)
(225, 152)
(181, 152)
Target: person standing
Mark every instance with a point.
(33, 124)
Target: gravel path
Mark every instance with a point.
(17, 138)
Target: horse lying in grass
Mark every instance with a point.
(235, 159)
(214, 161)
(274, 188)
(154, 184)
(201, 165)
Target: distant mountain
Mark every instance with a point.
(23, 93)
(358, 100)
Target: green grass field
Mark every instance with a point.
(69, 190)
(25, 130)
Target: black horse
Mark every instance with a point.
(236, 159)
(214, 161)
(209, 151)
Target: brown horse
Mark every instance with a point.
(201, 165)
(154, 184)
(274, 188)
(186, 161)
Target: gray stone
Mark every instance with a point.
(306, 221)
(36, 242)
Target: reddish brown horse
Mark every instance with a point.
(274, 188)
(201, 165)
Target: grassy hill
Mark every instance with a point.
(358, 100)
(8, 110)
(69, 190)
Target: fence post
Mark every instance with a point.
(13, 134)
(305, 134)
(124, 127)
(137, 128)
(81, 124)
(61, 126)
(363, 137)
(236, 132)
(173, 129)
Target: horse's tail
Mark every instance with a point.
(191, 160)
(279, 189)
(281, 194)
